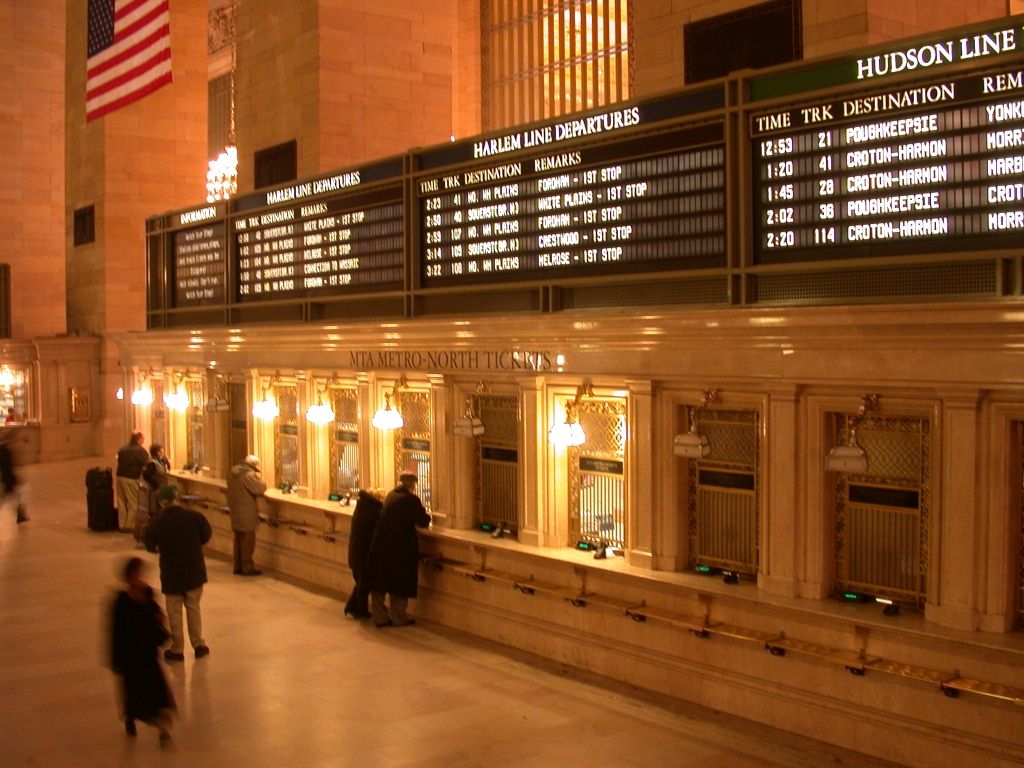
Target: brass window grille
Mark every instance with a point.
(597, 481)
(194, 422)
(412, 440)
(882, 516)
(724, 493)
(497, 454)
(345, 440)
(286, 434)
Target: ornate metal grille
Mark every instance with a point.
(723, 505)
(497, 451)
(194, 421)
(412, 441)
(286, 434)
(882, 516)
(597, 476)
(159, 423)
(345, 440)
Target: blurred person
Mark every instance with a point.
(178, 535)
(394, 564)
(9, 477)
(364, 521)
(131, 460)
(136, 633)
(244, 488)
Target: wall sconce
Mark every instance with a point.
(219, 402)
(470, 424)
(6, 377)
(569, 433)
(692, 444)
(142, 395)
(178, 399)
(388, 417)
(265, 409)
(119, 393)
(320, 412)
(850, 457)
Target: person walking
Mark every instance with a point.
(136, 633)
(131, 460)
(9, 477)
(179, 534)
(244, 487)
(364, 521)
(395, 554)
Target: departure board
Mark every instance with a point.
(938, 167)
(326, 245)
(590, 210)
(199, 258)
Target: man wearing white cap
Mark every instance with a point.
(244, 487)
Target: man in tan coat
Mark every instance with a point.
(244, 487)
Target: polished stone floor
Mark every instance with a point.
(292, 682)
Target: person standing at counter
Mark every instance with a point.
(244, 487)
(395, 553)
(131, 460)
(154, 477)
(364, 522)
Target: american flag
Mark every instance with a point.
(129, 53)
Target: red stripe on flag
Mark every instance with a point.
(127, 53)
(128, 7)
(120, 33)
(129, 98)
(130, 75)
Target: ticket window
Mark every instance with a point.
(412, 441)
(497, 454)
(882, 515)
(286, 435)
(238, 424)
(597, 485)
(345, 476)
(723, 492)
(158, 425)
(195, 423)
(13, 394)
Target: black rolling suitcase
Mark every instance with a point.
(99, 497)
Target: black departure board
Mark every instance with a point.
(929, 168)
(591, 210)
(325, 245)
(199, 258)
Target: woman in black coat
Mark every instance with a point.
(364, 522)
(395, 553)
(136, 634)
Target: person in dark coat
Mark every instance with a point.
(395, 553)
(155, 476)
(364, 522)
(136, 633)
(9, 477)
(131, 460)
(179, 534)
